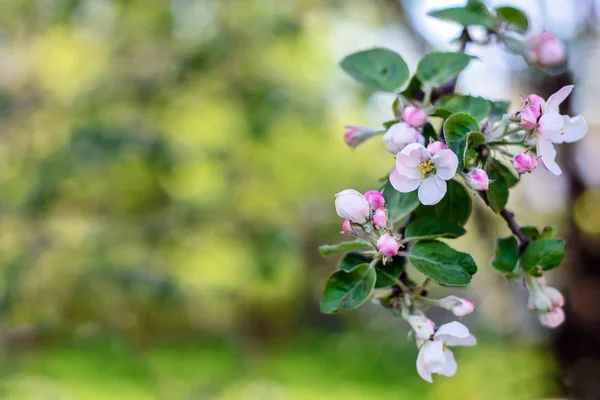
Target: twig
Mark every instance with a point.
(515, 228)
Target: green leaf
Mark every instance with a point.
(392, 268)
(441, 112)
(546, 253)
(351, 260)
(429, 133)
(497, 193)
(388, 124)
(460, 131)
(498, 109)
(455, 207)
(413, 88)
(478, 107)
(348, 289)
(432, 228)
(442, 263)
(506, 255)
(530, 232)
(514, 17)
(328, 249)
(466, 16)
(438, 68)
(547, 233)
(399, 204)
(507, 173)
(380, 69)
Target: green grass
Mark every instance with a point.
(349, 367)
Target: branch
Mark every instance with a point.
(515, 228)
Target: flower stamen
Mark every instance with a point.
(425, 168)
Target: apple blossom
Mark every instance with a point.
(414, 116)
(547, 50)
(355, 135)
(434, 355)
(352, 205)
(458, 306)
(388, 245)
(347, 227)
(478, 179)
(556, 128)
(380, 218)
(399, 135)
(416, 168)
(375, 199)
(524, 162)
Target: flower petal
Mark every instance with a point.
(422, 367)
(432, 190)
(433, 354)
(446, 163)
(451, 366)
(403, 183)
(454, 328)
(557, 98)
(547, 153)
(409, 159)
(551, 126)
(574, 129)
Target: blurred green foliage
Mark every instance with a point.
(161, 156)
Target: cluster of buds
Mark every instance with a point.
(407, 131)
(546, 301)
(435, 357)
(365, 216)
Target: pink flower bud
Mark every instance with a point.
(351, 204)
(530, 116)
(533, 100)
(524, 162)
(347, 227)
(388, 245)
(380, 219)
(458, 306)
(435, 147)
(553, 318)
(375, 199)
(547, 50)
(414, 116)
(355, 135)
(478, 179)
(556, 297)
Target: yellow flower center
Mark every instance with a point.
(425, 168)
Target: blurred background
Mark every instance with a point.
(167, 172)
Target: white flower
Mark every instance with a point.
(556, 128)
(417, 167)
(435, 357)
(352, 205)
(399, 135)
